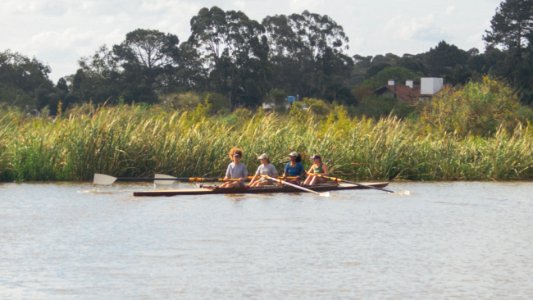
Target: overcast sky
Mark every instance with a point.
(59, 32)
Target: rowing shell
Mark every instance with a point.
(257, 190)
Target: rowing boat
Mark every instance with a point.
(258, 190)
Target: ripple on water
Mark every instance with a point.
(434, 240)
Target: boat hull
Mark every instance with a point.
(257, 190)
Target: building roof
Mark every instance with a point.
(402, 92)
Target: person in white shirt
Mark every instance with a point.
(265, 168)
(236, 173)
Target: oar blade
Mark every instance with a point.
(324, 194)
(102, 179)
(166, 179)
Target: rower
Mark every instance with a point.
(236, 172)
(294, 168)
(318, 167)
(265, 168)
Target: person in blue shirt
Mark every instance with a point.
(294, 168)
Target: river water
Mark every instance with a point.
(436, 241)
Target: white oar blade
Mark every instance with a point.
(166, 181)
(102, 179)
(325, 194)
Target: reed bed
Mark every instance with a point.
(140, 141)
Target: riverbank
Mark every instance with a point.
(140, 140)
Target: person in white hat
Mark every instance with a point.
(265, 168)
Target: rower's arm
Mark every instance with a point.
(253, 180)
(311, 170)
(325, 169)
(255, 176)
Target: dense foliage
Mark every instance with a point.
(138, 140)
(245, 62)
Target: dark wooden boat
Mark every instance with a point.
(257, 190)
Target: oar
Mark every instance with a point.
(167, 179)
(351, 182)
(164, 179)
(326, 194)
(103, 179)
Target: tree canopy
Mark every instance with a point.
(246, 62)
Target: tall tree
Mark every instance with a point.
(140, 68)
(305, 49)
(234, 52)
(98, 79)
(512, 30)
(149, 59)
(512, 25)
(447, 61)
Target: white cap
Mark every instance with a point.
(263, 156)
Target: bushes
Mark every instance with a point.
(140, 140)
(479, 108)
(190, 100)
(382, 106)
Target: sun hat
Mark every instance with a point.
(263, 156)
(293, 154)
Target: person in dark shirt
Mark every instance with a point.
(294, 168)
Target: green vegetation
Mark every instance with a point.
(139, 140)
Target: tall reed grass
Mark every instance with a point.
(140, 141)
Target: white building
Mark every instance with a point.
(429, 86)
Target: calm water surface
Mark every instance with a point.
(445, 240)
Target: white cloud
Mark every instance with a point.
(301, 5)
(43, 7)
(421, 28)
(450, 10)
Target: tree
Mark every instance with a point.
(148, 59)
(234, 52)
(146, 64)
(24, 81)
(305, 49)
(399, 74)
(447, 61)
(98, 79)
(512, 30)
(512, 26)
